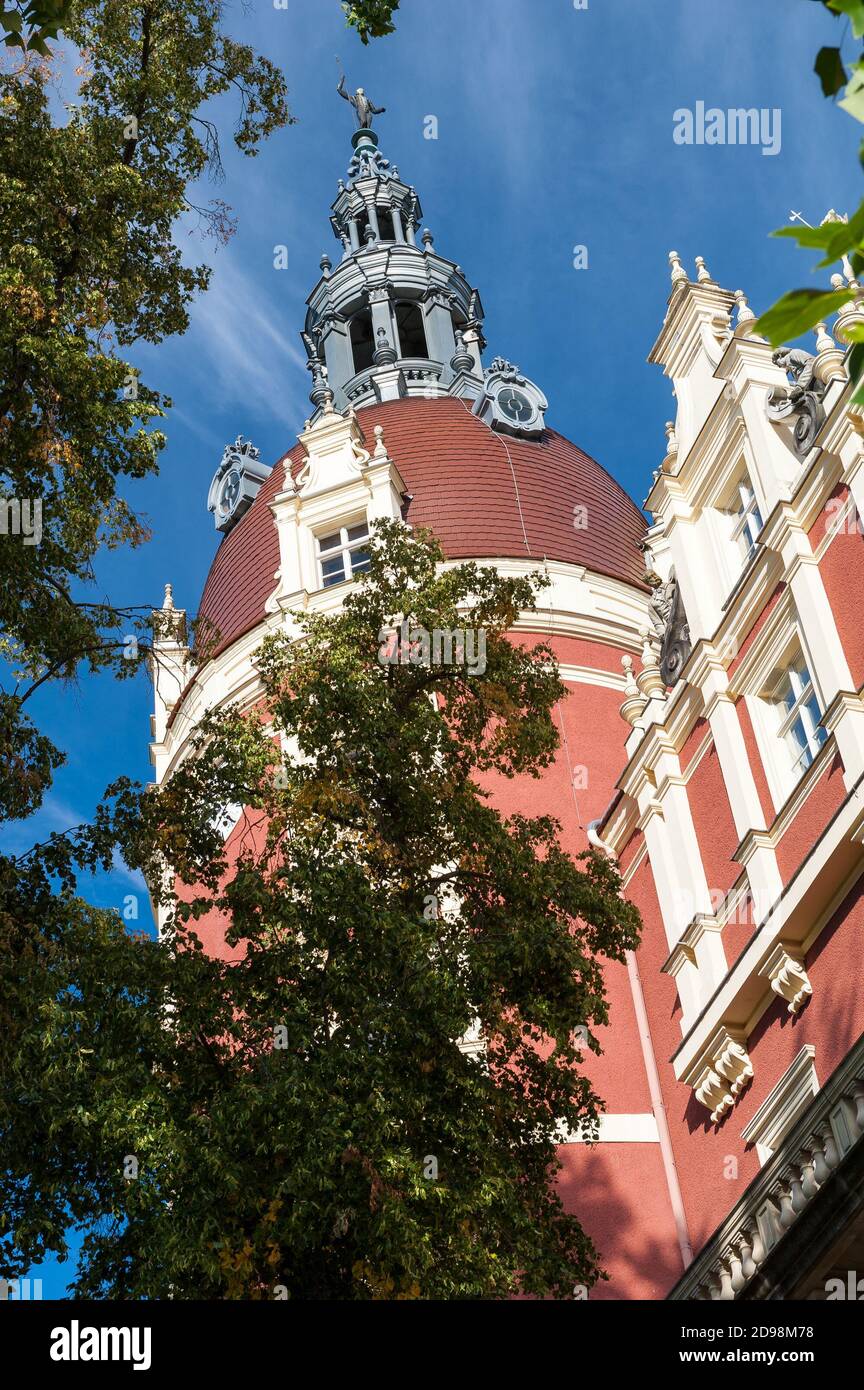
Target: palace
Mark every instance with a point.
(716, 655)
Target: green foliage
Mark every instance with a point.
(371, 18)
(28, 24)
(303, 1117)
(830, 71)
(854, 9)
(800, 310)
(90, 266)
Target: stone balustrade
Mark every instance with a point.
(820, 1141)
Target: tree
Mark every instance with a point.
(304, 1122)
(800, 310)
(90, 267)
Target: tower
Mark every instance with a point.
(408, 421)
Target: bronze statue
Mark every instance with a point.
(364, 109)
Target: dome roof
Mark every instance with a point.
(485, 495)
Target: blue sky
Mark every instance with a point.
(555, 130)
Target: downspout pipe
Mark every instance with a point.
(670, 1170)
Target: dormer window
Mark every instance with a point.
(747, 519)
(343, 554)
(411, 329)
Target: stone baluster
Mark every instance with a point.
(724, 1274)
(858, 1097)
(793, 1176)
(752, 1252)
(824, 1153)
(782, 1197)
(809, 1185)
(832, 1156)
(736, 1263)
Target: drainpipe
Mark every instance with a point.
(673, 1186)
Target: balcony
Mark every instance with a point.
(801, 1221)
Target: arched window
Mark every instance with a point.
(385, 223)
(362, 343)
(412, 333)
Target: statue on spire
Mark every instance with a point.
(364, 109)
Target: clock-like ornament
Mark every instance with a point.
(510, 402)
(236, 483)
(229, 493)
(515, 405)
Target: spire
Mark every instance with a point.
(393, 317)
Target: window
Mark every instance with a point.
(385, 224)
(362, 345)
(343, 554)
(747, 519)
(799, 714)
(412, 333)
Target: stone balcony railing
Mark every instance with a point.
(421, 375)
(818, 1144)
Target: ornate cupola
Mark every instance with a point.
(394, 318)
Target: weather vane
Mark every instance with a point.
(364, 109)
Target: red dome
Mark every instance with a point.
(485, 495)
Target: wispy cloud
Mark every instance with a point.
(237, 351)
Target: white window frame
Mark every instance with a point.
(780, 645)
(343, 550)
(748, 518)
(797, 679)
(737, 522)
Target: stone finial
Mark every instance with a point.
(849, 315)
(671, 446)
(679, 274)
(703, 275)
(169, 623)
(634, 702)
(824, 342)
(461, 361)
(380, 450)
(428, 239)
(326, 265)
(745, 316)
(385, 354)
(829, 358)
(649, 679)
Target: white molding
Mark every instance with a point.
(585, 605)
(621, 1129)
(833, 865)
(783, 1105)
(591, 675)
